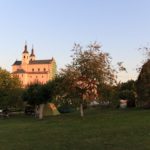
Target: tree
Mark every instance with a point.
(127, 91)
(146, 56)
(37, 95)
(10, 90)
(143, 81)
(90, 68)
(109, 94)
(143, 84)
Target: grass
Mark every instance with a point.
(99, 130)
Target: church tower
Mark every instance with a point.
(25, 55)
(32, 56)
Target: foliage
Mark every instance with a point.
(10, 90)
(59, 85)
(37, 94)
(109, 94)
(146, 54)
(89, 66)
(90, 76)
(127, 91)
(89, 72)
(143, 84)
(129, 85)
(128, 95)
(93, 63)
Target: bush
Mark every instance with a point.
(128, 95)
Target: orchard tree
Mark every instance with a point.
(90, 69)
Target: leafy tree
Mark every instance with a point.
(10, 90)
(143, 84)
(62, 92)
(90, 69)
(143, 81)
(37, 95)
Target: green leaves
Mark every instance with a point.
(37, 94)
(10, 90)
(143, 83)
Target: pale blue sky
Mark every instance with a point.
(121, 26)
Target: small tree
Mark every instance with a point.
(37, 95)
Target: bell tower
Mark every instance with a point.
(32, 56)
(25, 55)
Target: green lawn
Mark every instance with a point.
(99, 130)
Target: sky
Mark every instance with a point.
(53, 26)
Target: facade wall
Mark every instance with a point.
(15, 68)
(38, 67)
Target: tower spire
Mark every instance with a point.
(25, 48)
(32, 55)
(32, 51)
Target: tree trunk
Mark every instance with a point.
(36, 111)
(41, 107)
(81, 110)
